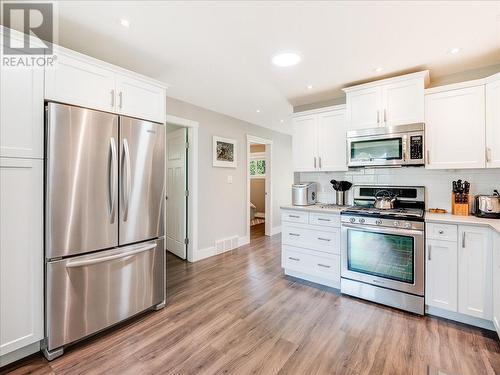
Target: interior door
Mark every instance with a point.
(82, 180)
(176, 197)
(142, 180)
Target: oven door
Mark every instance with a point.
(385, 257)
(385, 150)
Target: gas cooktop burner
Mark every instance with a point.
(396, 212)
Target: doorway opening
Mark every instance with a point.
(258, 187)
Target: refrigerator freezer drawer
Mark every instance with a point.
(88, 293)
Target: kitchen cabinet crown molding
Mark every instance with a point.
(455, 86)
(339, 107)
(422, 74)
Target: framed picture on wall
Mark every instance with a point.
(224, 152)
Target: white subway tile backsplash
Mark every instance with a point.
(437, 182)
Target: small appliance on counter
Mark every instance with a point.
(488, 206)
(304, 194)
(341, 188)
(460, 199)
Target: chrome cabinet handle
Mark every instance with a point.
(378, 117)
(120, 103)
(294, 216)
(319, 159)
(324, 265)
(321, 219)
(315, 162)
(126, 182)
(385, 116)
(88, 262)
(294, 234)
(295, 259)
(488, 154)
(429, 252)
(112, 98)
(428, 157)
(111, 179)
(463, 239)
(324, 239)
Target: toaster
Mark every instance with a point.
(304, 194)
(488, 205)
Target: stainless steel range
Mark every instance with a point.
(383, 249)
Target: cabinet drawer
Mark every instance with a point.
(295, 216)
(327, 267)
(446, 232)
(311, 238)
(327, 220)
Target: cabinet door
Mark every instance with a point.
(363, 108)
(78, 80)
(140, 99)
(441, 289)
(496, 284)
(21, 112)
(331, 127)
(455, 129)
(304, 144)
(403, 102)
(475, 272)
(493, 124)
(21, 253)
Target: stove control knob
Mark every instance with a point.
(397, 223)
(408, 225)
(361, 221)
(352, 220)
(378, 221)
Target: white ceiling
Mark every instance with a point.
(217, 54)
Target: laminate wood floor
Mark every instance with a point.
(237, 314)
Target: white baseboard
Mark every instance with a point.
(211, 251)
(470, 320)
(275, 230)
(242, 241)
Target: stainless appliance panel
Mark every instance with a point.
(81, 180)
(304, 194)
(142, 180)
(88, 293)
(414, 286)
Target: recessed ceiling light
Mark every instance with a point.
(378, 70)
(454, 51)
(309, 87)
(258, 111)
(124, 22)
(282, 121)
(285, 59)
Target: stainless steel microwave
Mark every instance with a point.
(391, 146)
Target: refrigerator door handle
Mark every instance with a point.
(88, 262)
(126, 178)
(111, 180)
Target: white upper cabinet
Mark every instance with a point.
(475, 280)
(21, 253)
(140, 99)
(80, 80)
(455, 127)
(493, 122)
(388, 102)
(331, 128)
(304, 144)
(21, 112)
(441, 289)
(318, 142)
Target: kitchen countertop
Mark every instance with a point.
(332, 209)
(457, 219)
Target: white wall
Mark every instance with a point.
(437, 182)
(222, 206)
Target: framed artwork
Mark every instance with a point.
(224, 152)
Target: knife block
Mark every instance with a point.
(461, 209)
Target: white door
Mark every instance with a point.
(496, 284)
(331, 128)
(304, 144)
(493, 124)
(363, 108)
(21, 253)
(403, 102)
(475, 280)
(441, 289)
(176, 192)
(267, 198)
(455, 128)
(140, 99)
(21, 112)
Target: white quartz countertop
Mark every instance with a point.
(456, 219)
(319, 207)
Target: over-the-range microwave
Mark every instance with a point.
(390, 146)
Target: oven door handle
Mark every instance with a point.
(371, 228)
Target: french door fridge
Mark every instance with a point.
(104, 229)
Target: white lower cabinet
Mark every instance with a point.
(441, 275)
(21, 253)
(496, 284)
(311, 246)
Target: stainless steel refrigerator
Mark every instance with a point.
(104, 195)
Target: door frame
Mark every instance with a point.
(269, 183)
(192, 171)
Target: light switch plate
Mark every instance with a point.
(229, 179)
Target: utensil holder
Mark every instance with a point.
(341, 197)
(462, 209)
